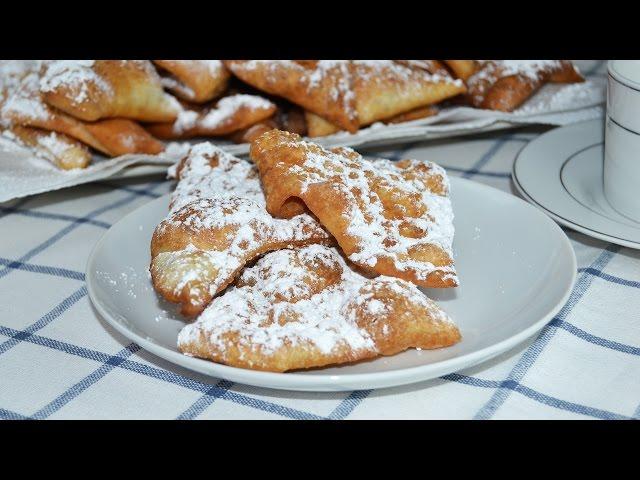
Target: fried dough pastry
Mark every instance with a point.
(321, 86)
(391, 218)
(248, 135)
(24, 106)
(12, 72)
(349, 94)
(64, 152)
(319, 127)
(505, 84)
(462, 69)
(431, 66)
(119, 136)
(290, 118)
(230, 114)
(303, 308)
(195, 80)
(384, 89)
(94, 89)
(217, 224)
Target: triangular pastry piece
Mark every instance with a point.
(391, 218)
(505, 84)
(94, 89)
(430, 66)
(415, 114)
(217, 224)
(349, 94)
(384, 89)
(320, 86)
(194, 80)
(24, 106)
(64, 152)
(306, 307)
(228, 115)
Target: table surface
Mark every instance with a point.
(59, 359)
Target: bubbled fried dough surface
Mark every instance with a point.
(391, 218)
(505, 84)
(303, 308)
(217, 224)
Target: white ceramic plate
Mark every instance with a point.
(516, 267)
(561, 173)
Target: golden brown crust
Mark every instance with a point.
(120, 136)
(24, 107)
(349, 94)
(384, 89)
(230, 114)
(196, 81)
(430, 66)
(305, 308)
(382, 214)
(322, 87)
(462, 69)
(318, 126)
(92, 90)
(249, 134)
(218, 223)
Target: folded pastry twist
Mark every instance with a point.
(217, 224)
(391, 218)
(306, 307)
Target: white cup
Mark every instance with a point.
(622, 138)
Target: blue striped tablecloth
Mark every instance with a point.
(58, 359)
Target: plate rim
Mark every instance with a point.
(560, 219)
(337, 382)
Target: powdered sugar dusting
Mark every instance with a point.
(23, 102)
(227, 106)
(489, 71)
(217, 116)
(282, 301)
(218, 193)
(227, 176)
(77, 75)
(392, 210)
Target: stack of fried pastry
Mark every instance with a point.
(63, 109)
(305, 257)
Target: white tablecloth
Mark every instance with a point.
(59, 359)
